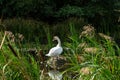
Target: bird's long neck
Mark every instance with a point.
(59, 42)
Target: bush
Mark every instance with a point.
(36, 30)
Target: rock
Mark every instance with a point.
(57, 62)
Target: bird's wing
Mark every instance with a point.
(55, 51)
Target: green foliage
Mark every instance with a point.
(69, 11)
(29, 28)
(101, 64)
(95, 60)
(14, 65)
(48, 8)
(103, 14)
(33, 30)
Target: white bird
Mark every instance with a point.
(57, 50)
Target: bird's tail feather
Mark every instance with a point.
(47, 55)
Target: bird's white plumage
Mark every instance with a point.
(55, 51)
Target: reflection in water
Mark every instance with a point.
(55, 75)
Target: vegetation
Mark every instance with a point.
(89, 31)
(101, 13)
(90, 55)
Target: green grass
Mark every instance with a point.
(103, 64)
(99, 59)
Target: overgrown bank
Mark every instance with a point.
(37, 31)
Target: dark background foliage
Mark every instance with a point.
(53, 9)
(103, 14)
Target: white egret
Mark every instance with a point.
(57, 50)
